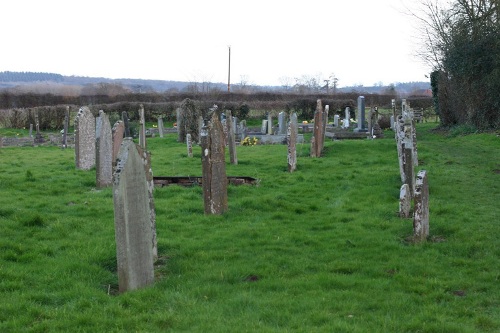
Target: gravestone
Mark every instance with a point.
(408, 167)
(214, 178)
(392, 123)
(38, 135)
(243, 129)
(263, 129)
(142, 127)
(347, 117)
(282, 130)
(269, 124)
(421, 207)
(189, 145)
(361, 115)
(400, 135)
(126, 124)
(31, 131)
(133, 233)
(318, 134)
(233, 158)
(84, 139)
(292, 134)
(104, 151)
(160, 126)
(65, 130)
(225, 130)
(336, 120)
(118, 132)
(404, 201)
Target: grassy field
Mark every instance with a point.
(318, 250)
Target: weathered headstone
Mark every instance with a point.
(214, 178)
(189, 145)
(336, 120)
(263, 129)
(31, 131)
(233, 158)
(361, 115)
(421, 207)
(126, 124)
(160, 127)
(104, 151)
(292, 134)
(243, 129)
(318, 134)
(269, 124)
(404, 201)
(408, 167)
(38, 135)
(65, 129)
(118, 132)
(225, 130)
(347, 117)
(142, 127)
(84, 139)
(133, 233)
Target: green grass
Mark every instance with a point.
(318, 250)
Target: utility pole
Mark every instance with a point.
(229, 71)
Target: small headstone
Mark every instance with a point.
(336, 120)
(421, 207)
(84, 139)
(292, 134)
(118, 132)
(189, 145)
(133, 234)
(317, 139)
(404, 201)
(282, 130)
(269, 124)
(104, 151)
(65, 130)
(263, 129)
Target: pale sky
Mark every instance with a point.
(359, 41)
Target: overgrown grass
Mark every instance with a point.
(318, 250)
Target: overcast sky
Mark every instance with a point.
(362, 42)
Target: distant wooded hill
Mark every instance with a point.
(39, 82)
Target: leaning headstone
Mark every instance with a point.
(231, 137)
(84, 139)
(118, 132)
(142, 128)
(214, 178)
(133, 235)
(104, 151)
(126, 124)
(292, 134)
(404, 201)
(421, 207)
(361, 115)
(189, 144)
(160, 126)
(65, 130)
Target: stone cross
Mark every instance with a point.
(142, 127)
(133, 232)
(104, 151)
(84, 139)
(231, 138)
(214, 178)
(292, 134)
(421, 207)
(118, 132)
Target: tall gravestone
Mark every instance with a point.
(318, 134)
(282, 130)
(189, 145)
(408, 167)
(104, 151)
(421, 207)
(214, 179)
(38, 135)
(84, 139)
(269, 124)
(231, 136)
(133, 232)
(142, 127)
(31, 131)
(336, 120)
(66, 127)
(126, 124)
(361, 115)
(160, 127)
(292, 134)
(400, 135)
(347, 117)
(263, 129)
(118, 133)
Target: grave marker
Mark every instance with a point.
(126, 124)
(160, 126)
(421, 207)
(84, 139)
(404, 201)
(104, 151)
(361, 115)
(118, 132)
(65, 130)
(231, 139)
(142, 127)
(189, 145)
(292, 134)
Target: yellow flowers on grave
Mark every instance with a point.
(249, 142)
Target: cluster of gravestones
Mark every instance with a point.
(415, 188)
